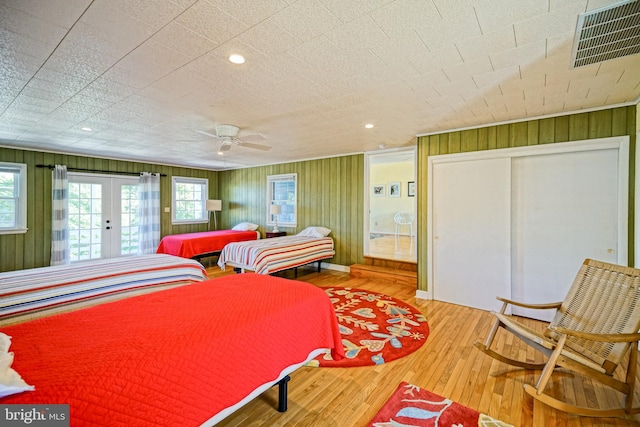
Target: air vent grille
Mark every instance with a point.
(607, 33)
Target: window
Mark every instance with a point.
(189, 200)
(129, 219)
(282, 190)
(13, 198)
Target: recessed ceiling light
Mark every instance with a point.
(236, 59)
(220, 153)
(86, 129)
(368, 125)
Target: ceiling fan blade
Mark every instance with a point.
(206, 133)
(224, 147)
(256, 146)
(254, 137)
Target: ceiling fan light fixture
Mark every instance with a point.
(227, 135)
(227, 131)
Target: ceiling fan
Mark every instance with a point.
(228, 135)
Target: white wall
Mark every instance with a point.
(384, 208)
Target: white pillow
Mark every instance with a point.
(10, 381)
(245, 226)
(315, 232)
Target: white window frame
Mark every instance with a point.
(204, 183)
(20, 225)
(270, 200)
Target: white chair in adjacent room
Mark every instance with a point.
(404, 218)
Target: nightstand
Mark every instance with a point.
(270, 234)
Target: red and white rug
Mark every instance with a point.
(412, 406)
(375, 328)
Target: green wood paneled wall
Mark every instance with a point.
(573, 127)
(33, 249)
(330, 194)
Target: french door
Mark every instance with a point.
(103, 216)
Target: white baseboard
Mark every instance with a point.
(336, 267)
(423, 294)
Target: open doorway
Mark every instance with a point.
(390, 205)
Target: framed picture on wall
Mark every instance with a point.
(411, 189)
(379, 190)
(394, 189)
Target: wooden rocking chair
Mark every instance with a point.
(593, 329)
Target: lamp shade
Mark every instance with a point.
(275, 209)
(214, 205)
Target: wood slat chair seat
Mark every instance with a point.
(593, 329)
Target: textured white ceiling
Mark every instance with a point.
(145, 75)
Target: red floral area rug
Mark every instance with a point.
(411, 406)
(375, 328)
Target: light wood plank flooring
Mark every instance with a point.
(446, 364)
(401, 248)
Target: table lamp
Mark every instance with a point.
(275, 211)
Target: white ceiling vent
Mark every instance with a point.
(607, 33)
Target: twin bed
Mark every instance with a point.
(188, 355)
(206, 243)
(276, 254)
(242, 249)
(24, 293)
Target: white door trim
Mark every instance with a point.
(367, 187)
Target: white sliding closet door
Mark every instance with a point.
(519, 222)
(471, 234)
(565, 209)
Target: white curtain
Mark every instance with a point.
(148, 213)
(60, 218)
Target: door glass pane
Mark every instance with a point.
(85, 221)
(129, 219)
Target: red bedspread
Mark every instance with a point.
(191, 244)
(173, 357)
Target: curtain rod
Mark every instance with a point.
(94, 170)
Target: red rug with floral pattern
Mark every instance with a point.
(411, 406)
(375, 328)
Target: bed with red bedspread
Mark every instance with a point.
(194, 245)
(185, 356)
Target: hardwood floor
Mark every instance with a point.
(401, 248)
(447, 364)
